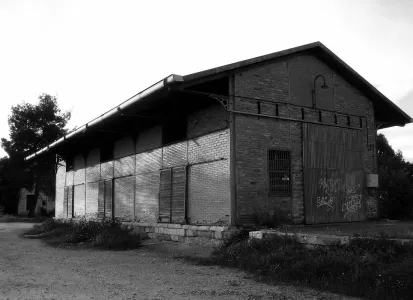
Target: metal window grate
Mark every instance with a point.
(279, 172)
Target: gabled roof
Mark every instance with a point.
(385, 109)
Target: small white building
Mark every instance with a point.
(27, 201)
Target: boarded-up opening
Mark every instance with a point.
(92, 196)
(79, 198)
(68, 202)
(105, 203)
(165, 192)
(333, 174)
(101, 200)
(208, 193)
(109, 198)
(65, 201)
(147, 197)
(124, 197)
(172, 195)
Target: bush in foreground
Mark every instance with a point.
(374, 269)
(105, 234)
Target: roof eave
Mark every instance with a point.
(160, 85)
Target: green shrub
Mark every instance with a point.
(378, 269)
(235, 236)
(116, 238)
(105, 233)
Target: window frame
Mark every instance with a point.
(272, 188)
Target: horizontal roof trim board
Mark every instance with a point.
(165, 84)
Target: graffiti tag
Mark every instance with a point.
(327, 202)
(372, 206)
(353, 201)
(329, 188)
(330, 185)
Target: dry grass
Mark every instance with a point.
(369, 268)
(396, 230)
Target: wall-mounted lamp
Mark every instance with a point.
(323, 86)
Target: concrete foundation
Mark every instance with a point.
(192, 234)
(312, 239)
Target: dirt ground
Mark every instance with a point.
(29, 269)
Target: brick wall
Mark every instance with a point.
(60, 185)
(290, 81)
(124, 166)
(148, 165)
(79, 168)
(137, 176)
(92, 181)
(175, 155)
(207, 120)
(93, 165)
(79, 193)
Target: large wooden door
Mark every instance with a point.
(105, 202)
(333, 174)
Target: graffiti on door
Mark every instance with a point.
(330, 187)
(352, 202)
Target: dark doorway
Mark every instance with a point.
(30, 204)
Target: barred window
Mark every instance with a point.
(279, 172)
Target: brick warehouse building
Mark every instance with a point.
(289, 135)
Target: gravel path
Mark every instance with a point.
(29, 269)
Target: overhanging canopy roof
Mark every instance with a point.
(385, 110)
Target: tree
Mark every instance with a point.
(32, 127)
(396, 181)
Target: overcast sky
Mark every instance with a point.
(95, 54)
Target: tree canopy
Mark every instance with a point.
(395, 181)
(34, 126)
(31, 127)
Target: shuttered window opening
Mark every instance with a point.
(65, 201)
(172, 195)
(178, 195)
(279, 172)
(79, 204)
(108, 198)
(105, 203)
(165, 192)
(70, 201)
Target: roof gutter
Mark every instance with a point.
(160, 85)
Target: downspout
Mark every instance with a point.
(160, 85)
